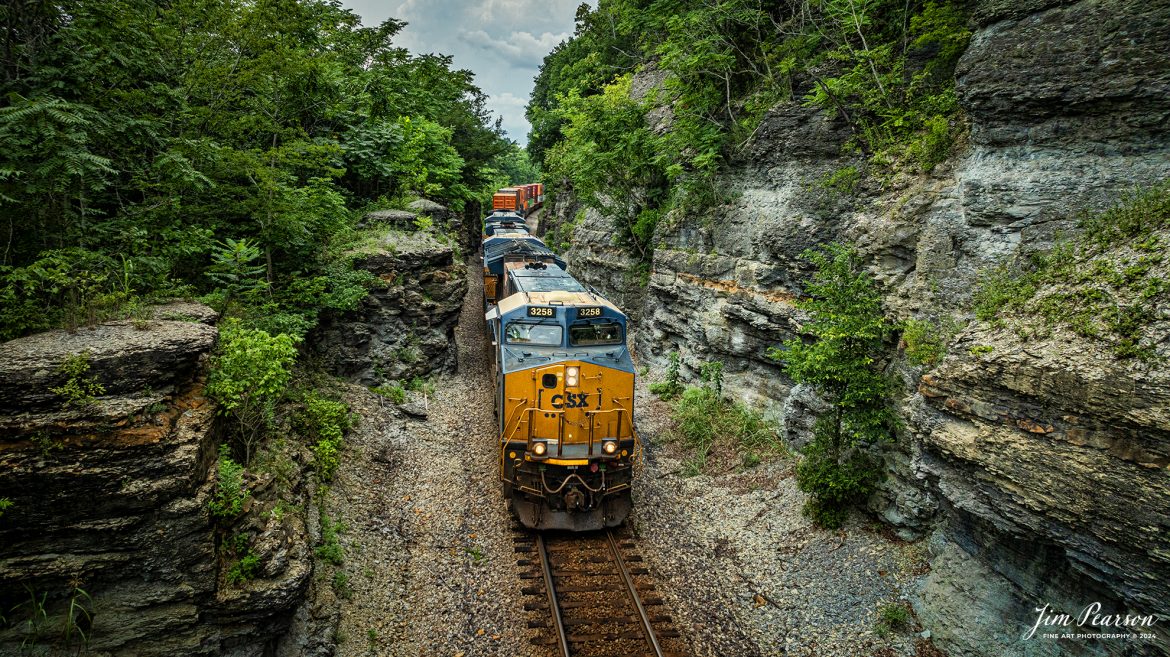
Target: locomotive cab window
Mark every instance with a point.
(546, 335)
(587, 335)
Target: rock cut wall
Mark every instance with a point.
(1040, 469)
(110, 498)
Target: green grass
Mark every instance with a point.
(892, 618)
(704, 420)
(1104, 284)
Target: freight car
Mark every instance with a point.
(564, 390)
(521, 199)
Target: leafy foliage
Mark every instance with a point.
(841, 363)
(246, 568)
(230, 492)
(893, 618)
(608, 155)
(248, 376)
(200, 147)
(925, 341)
(672, 386)
(884, 67)
(330, 549)
(324, 422)
(78, 390)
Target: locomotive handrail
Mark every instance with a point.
(592, 415)
(560, 425)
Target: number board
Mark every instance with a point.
(592, 311)
(541, 311)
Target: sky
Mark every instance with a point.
(502, 41)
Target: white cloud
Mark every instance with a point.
(502, 41)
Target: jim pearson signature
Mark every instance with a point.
(1090, 616)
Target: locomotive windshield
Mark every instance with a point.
(587, 335)
(547, 335)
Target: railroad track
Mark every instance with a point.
(591, 597)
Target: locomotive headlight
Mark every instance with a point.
(572, 374)
(609, 446)
(539, 448)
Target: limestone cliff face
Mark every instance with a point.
(1042, 466)
(111, 498)
(403, 328)
(1050, 458)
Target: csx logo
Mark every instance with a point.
(570, 400)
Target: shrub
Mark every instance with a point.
(925, 342)
(712, 375)
(78, 390)
(247, 378)
(423, 223)
(671, 387)
(341, 585)
(5, 504)
(410, 354)
(234, 269)
(230, 491)
(395, 392)
(419, 384)
(324, 422)
(835, 480)
(323, 418)
(892, 618)
(243, 570)
(326, 458)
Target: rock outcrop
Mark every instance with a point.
(404, 328)
(1040, 468)
(109, 500)
(1051, 458)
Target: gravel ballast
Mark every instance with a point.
(745, 573)
(428, 543)
(429, 566)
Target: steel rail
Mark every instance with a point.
(647, 629)
(553, 605)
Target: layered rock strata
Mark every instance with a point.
(404, 327)
(109, 501)
(1040, 469)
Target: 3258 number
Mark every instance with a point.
(541, 311)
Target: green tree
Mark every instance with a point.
(841, 363)
(609, 157)
(139, 135)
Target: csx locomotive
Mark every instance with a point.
(564, 386)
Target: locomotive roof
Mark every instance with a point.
(498, 246)
(516, 357)
(498, 217)
(549, 278)
(554, 298)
